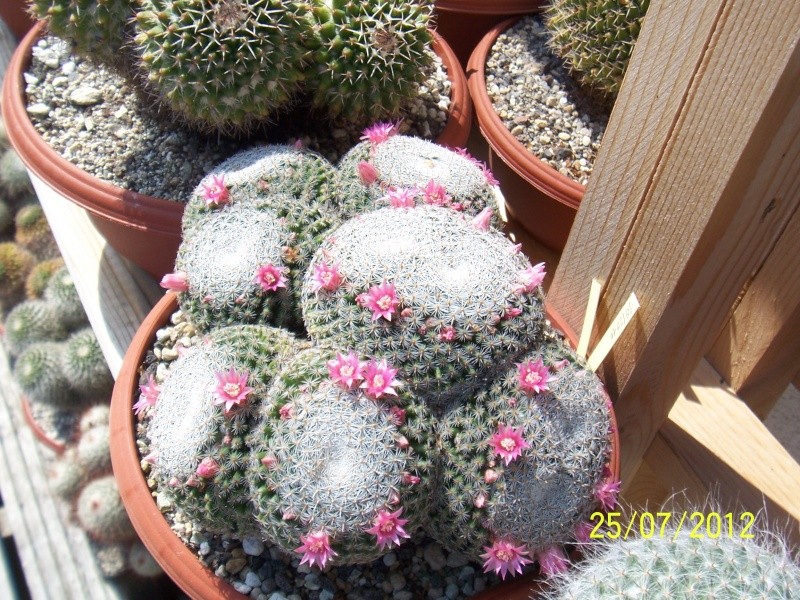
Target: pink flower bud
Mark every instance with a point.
(367, 173)
(490, 476)
(270, 461)
(398, 415)
(176, 282)
(480, 500)
(410, 479)
(288, 515)
(207, 468)
(286, 411)
(402, 442)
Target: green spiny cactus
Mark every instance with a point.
(225, 64)
(61, 293)
(522, 460)
(38, 372)
(198, 438)
(14, 179)
(30, 322)
(15, 265)
(141, 562)
(678, 564)
(65, 474)
(387, 169)
(99, 511)
(441, 300)
(334, 460)
(40, 274)
(243, 260)
(85, 366)
(94, 28)
(93, 451)
(595, 38)
(33, 232)
(371, 56)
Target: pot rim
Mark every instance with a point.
(38, 432)
(177, 560)
(491, 7)
(533, 170)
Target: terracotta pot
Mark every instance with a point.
(54, 445)
(144, 229)
(540, 198)
(180, 563)
(14, 13)
(464, 22)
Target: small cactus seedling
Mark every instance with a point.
(61, 293)
(38, 372)
(441, 300)
(85, 366)
(33, 232)
(339, 471)
(387, 169)
(40, 274)
(595, 38)
(15, 266)
(203, 414)
(99, 511)
(30, 322)
(523, 462)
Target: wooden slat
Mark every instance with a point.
(695, 214)
(758, 351)
(115, 294)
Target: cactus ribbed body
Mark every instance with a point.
(61, 293)
(330, 459)
(457, 308)
(410, 163)
(100, 512)
(38, 372)
(33, 232)
(30, 322)
(188, 426)
(16, 264)
(66, 475)
(40, 274)
(226, 64)
(595, 38)
(539, 497)
(93, 451)
(85, 366)
(371, 56)
(14, 179)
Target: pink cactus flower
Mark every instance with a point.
(447, 334)
(534, 377)
(151, 458)
(231, 389)
(367, 173)
(552, 561)
(504, 557)
(326, 277)
(207, 468)
(346, 371)
(175, 282)
(381, 300)
(214, 191)
(148, 395)
(380, 132)
(483, 220)
(388, 528)
(270, 277)
(511, 312)
(583, 532)
(286, 411)
(379, 379)
(530, 279)
(606, 492)
(316, 549)
(489, 176)
(400, 198)
(508, 443)
(435, 194)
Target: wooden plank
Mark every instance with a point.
(758, 351)
(116, 294)
(711, 194)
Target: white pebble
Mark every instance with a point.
(39, 109)
(85, 96)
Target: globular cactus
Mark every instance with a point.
(62, 295)
(66, 475)
(223, 65)
(387, 169)
(6, 218)
(93, 451)
(371, 56)
(440, 299)
(112, 559)
(85, 367)
(94, 28)
(94, 416)
(680, 564)
(243, 255)
(38, 372)
(15, 266)
(14, 180)
(340, 470)
(523, 462)
(204, 412)
(30, 322)
(595, 38)
(33, 232)
(141, 562)
(99, 511)
(39, 275)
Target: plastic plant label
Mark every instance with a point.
(618, 325)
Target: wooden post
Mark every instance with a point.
(696, 178)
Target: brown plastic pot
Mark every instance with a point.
(180, 563)
(54, 445)
(537, 196)
(14, 13)
(144, 229)
(464, 22)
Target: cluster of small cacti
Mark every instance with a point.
(229, 65)
(595, 38)
(432, 396)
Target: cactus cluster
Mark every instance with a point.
(231, 65)
(16, 264)
(595, 38)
